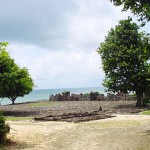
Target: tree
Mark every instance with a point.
(125, 54)
(4, 129)
(15, 81)
(138, 7)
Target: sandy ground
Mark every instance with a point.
(124, 132)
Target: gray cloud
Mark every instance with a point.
(56, 24)
(42, 23)
(56, 39)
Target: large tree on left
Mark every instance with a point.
(14, 81)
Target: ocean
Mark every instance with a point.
(44, 94)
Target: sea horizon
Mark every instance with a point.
(44, 94)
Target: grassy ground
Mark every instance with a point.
(11, 118)
(147, 112)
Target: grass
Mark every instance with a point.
(2, 147)
(8, 118)
(40, 104)
(147, 112)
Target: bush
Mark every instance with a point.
(86, 94)
(4, 129)
(65, 92)
(146, 100)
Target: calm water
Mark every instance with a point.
(44, 94)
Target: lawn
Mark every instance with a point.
(147, 112)
(11, 118)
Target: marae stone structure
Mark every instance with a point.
(92, 96)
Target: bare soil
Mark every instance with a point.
(123, 132)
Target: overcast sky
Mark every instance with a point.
(57, 39)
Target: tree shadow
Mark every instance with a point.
(129, 108)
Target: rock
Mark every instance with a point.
(110, 96)
(59, 97)
(74, 97)
(93, 96)
(52, 97)
(66, 95)
(100, 108)
(100, 97)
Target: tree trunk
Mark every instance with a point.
(13, 101)
(140, 101)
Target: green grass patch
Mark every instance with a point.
(147, 112)
(2, 147)
(8, 118)
(40, 104)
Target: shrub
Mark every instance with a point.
(86, 94)
(65, 92)
(4, 129)
(146, 100)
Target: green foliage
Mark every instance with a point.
(86, 94)
(147, 112)
(65, 92)
(125, 54)
(140, 8)
(97, 93)
(132, 94)
(15, 81)
(18, 118)
(146, 100)
(4, 129)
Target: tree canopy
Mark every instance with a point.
(125, 54)
(15, 81)
(138, 7)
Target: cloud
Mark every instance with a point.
(57, 69)
(56, 24)
(92, 22)
(57, 40)
(35, 22)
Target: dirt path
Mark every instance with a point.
(124, 132)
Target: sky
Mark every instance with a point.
(57, 40)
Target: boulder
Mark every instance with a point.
(93, 96)
(74, 97)
(59, 97)
(110, 96)
(100, 97)
(66, 95)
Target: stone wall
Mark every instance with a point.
(92, 96)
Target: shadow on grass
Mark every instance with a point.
(130, 108)
(19, 113)
(12, 145)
